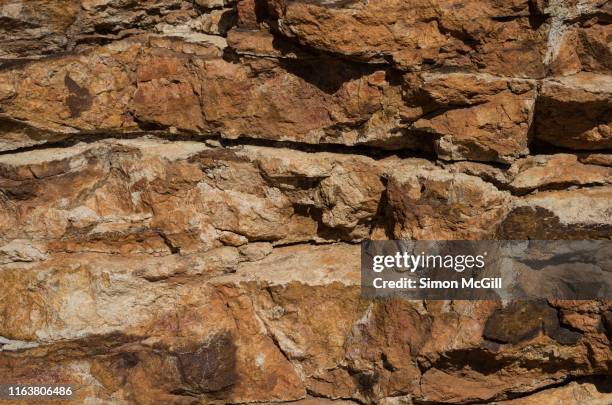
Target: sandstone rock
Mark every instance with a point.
(189, 88)
(184, 186)
(262, 332)
(496, 37)
(584, 322)
(580, 39)
(253, 43)
(77, 372)
(556, 171)
(434, 204)
(562, 99)
(542, 172)
(476, 117)
(523, 321)
(35, 27)
(45, 27)
(299, 197)
(601, 159)
(350, 197)
(153, 197)
(21, 251)
(227, 356)
(573, 214)
(498, 176)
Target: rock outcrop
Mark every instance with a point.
(184, 186)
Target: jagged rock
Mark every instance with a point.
(261, 329)
(542, 172)
(601, 159)
(16, 135)
(556, 172)
(212, 290)
(43, 27)
(564, 99)
(499, 176)
(572, 214)
(169, 84)
(153, 197)
(581, 44)
(218, 351)
(35, 27)
(475, 117)
(184, 184)
(430, 203)
(497, 37)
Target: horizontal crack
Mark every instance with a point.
(360, 149)
(373, 152)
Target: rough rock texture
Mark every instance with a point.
(184, 184)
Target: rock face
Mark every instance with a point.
(184, 186)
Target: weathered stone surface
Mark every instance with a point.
(542, 172)
(601, 159)
(580, 37)
(175, 85)
(421, 34)
(154, 197)
(430, 203)
(556, 172)
(184, 186)
(35, 28)
(149, 196)
(16, 135)
(262, 332)
(474, 117)
(572, 214)
(585, 95)
(206, 338)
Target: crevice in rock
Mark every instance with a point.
(316, 243)
(551, 187)
(536, 18)
(171, 246)
(599, 381)
(70, 140)
(6, 64)
(541, 147)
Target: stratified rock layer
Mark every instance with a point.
(184, 186)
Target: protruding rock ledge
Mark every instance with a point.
(151, 83)
(576, 111)
(147, 196)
